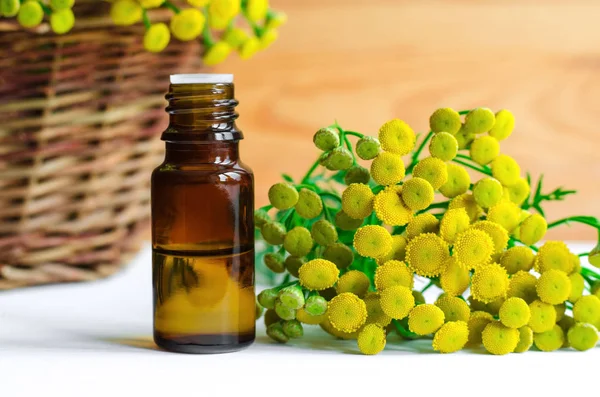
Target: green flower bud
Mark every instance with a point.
(260, 218)
(339, 159)
(298, 241)
(284, 312)
(323, 158)
(582, 336)
(271, 317)
(357, 174)
(309, 204)
(327, 139)
(268, 297)
(292, 297)
(324, 233)
(259, 310)
(594, 256)
(293, 329)
(339, 254)
(273, 232)
(344, 222)
(368, 148)
(283, 196)
(275, 332)
(274, 262)
(315, 305)
(293, 264)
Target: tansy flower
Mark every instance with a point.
(323, 233)
(582, 336)
(256, 10)
(390, 209)
(494, 306)
(487, 192)
(315, 305)
(504, 125)
(391, 273)
(477, 323)
(318, 274)
(397, 301)
(489, 283)
(368, 148)
(432, 170)
(309, 204)
(525, 340)
(371, 339)
(298, 241)
(340, 254)
(220, 12)
(427, 254)
(473, 248)
(283, 195)
(553, 287)
(499, 339)
(375, 314)
(533, 229)
(453, 223)
(122, 12)
(577, 286)
(372, 241)
(337, 159)
(445, 120)
(464, 138)
(187, 24)
(543, 316)
(560, 311)
(62, 21)
(484, 149)
(518, 192)
(304, 317)
(344, 222)
(425, 319)
(451, 337)
(398, 251)
(284, 312)
(587, 309)
(274, 262)
(347, 312)
(455, 279)
(505, 213)
(454, 308)
(330, 329)
(443, 146)
(514, 313)
(553, 255)
(517, 258)
(353, 281)
(292, 297)
(357, 201)
(479, 120)
(458, 181)
(417, 194)
(506, 170)
(523, 285)
(498, 234)
(397, 137)
(422, 223)
(466, 201)
(550, 340)
(387, 169)
(236, 37)
(157, 37)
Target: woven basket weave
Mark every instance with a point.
(80, 119)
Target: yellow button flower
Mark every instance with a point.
(518, 192)
(554, 287)
(487, 192)
(318, 274)
(427, 254)
(357, 201)
(9, 8)
(455, 279)
(390, 209)
(499, 339)
(479, 120)
(417, 194)
(422, 223)
(398, 251)
(523, 285)
(467, 201)
(553, 255)
(188, 24)
(533, 229)
(256, 10)
(504, 125)
(220, 12)
(347, 312)
(451, 337)
(543, 316)
(217, 53)
(125, 12)
(397, 301)
(432, 170)
(550, 340)
(473, 248)
(445, 120)
(157, 37)
(453, 223)
(484, 149)
(587, 309)
(477, 323)
(372, 241)
(514, 313)
(371, 339)
(425, 319)
(489, 283)
(353, 281)
(375, 314)
(506, 170)
(458, 181)
(498, 234)
(397, 137)
(454, 308)
(391, 273)
(525, 340)
(443, 146)
(505, 213)
(517, 258)
(30, 14)
(387, 169)
(249, 48)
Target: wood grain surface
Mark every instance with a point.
(363, 62)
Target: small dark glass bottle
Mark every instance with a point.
(202, 223)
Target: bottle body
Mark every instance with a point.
(203, 246)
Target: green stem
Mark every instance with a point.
(266, 208)
(354, 133)
(171, 6)
(287, 284)
(586, 220)
(146, 19)
(473, 167)
(331, 195)
(533, 247)
(309, 173)
(415, 157)
(431, 284)
(463, 112)
(47, 10)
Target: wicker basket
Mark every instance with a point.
(81, 116)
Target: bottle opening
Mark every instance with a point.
(202, 78)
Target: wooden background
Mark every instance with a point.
(363, 62)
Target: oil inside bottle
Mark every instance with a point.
(203, 298)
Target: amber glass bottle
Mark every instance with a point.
(202, 223)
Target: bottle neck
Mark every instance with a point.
(201, 112)
(218, 152)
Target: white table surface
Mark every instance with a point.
(95, 339)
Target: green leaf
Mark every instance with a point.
(288, 178)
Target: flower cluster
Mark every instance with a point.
(351, 260)
(214, 22)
